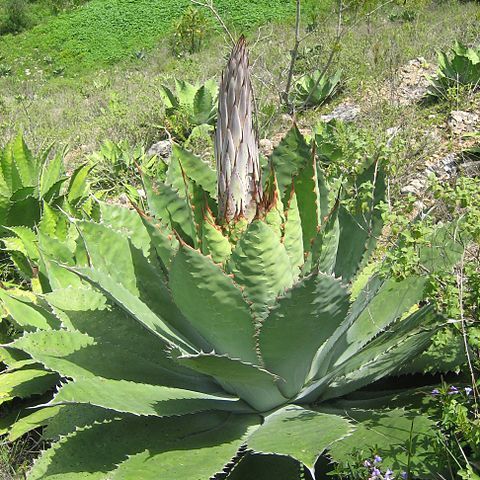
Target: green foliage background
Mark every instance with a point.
(102, 32)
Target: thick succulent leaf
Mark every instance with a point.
(56, 420)
(260, 264)
(168, 97)
(300, 433)
(445, 354)
(251, 383)
(115, 353)
(359, 230)
(403, 342)
(308, 196)
(38, 418)
(291, 155)
(323, 254)
(213, 242)
(185, 92)
(301, 321)
(25, 383)
(292, 237)
(51, 174)
(28, 238)
(53, 252)
(109, 252)
(323, 192)
(24, 162)
(53, 222)
(11, 357)
(128, 222)
(170, 447)
(379, 304)
(28, 315)
(77, 355)
(180, 464)
(171, 208)
(73, 416)
(78, 188)
(132, 305)
(212, 304)
(203, 104)
(274, 215)
(401, 438)
(195, 169)
(11, 176)
(25, 211)
(163, 240)
(54, 348)
(256, 466)
(141, 398)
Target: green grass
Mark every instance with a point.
(103, 32)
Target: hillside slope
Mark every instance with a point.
(102, 32)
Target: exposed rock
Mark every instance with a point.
(162, 149)
(461, 122)
(346, 112)
(266, 147)
(470, 169)
(415, 187)
(411, 85)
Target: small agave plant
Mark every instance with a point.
(314, 90)
(216, 335)
(459, 69)
(197, 102)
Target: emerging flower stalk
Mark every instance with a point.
(236, 142)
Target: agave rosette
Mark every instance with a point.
(185, 338)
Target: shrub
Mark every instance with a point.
(190, 32)
(16, 18)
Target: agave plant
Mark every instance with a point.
(29, 185)
(460, 69)
(201, 340)
(315, 89)
(27, 180)
(195, 104)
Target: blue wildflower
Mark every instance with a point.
(388, 475)
(377, 459)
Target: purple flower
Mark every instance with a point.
(388, 475)
(377, 459)
(404, 475)
(452, 390)
(435, 391)
(376, 472)
(366, 463)
(468, 390)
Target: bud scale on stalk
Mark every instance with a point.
(236, 141)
